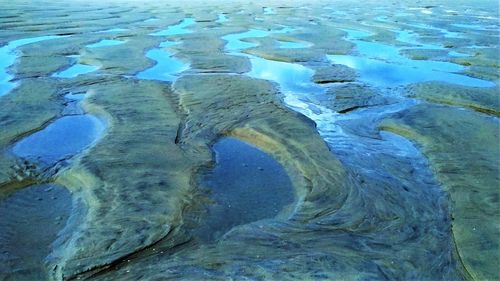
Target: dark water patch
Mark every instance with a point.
(30, 221)
(60, 140)
(246, 185)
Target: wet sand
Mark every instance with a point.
(370, 133)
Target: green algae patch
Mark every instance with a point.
(462, 147)
(484, 100)
(249, 109)
(131, 181)
(136, 187)
(253, 106)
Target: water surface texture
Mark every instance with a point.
(8, 57)
(60, 140)
(166, 65)
(240, 140)
(221, 18)
(75, 70)
(176, 29)
(350, 142)
(246, 184)
(382, 65)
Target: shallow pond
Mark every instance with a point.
(246, 184)
(382, 65)
(75, 70)
(176, 29)
(8, 56)
(166, 67)
(60, 140)
(221, 18)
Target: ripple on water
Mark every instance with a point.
(246, 184)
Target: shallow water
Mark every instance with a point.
(479, 27)
(31, 220)
(356, 141)
(269, 11)
(105, 43)
(75, 70)
(166, 67)
(382, 65)
(176, 29)
(221, 18)
(395, 221)
(380, 73)
(246, 184)
(60, 140)
(234, 41)
(8, 57)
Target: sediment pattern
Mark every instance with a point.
(390, 181)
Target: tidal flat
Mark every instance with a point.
(228, 140)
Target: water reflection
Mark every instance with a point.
(8, 56)
(75, 70)
(382, 65)
(166, 67)
(176, 29)
(291, 77)
(246, 184)
(60, 140)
